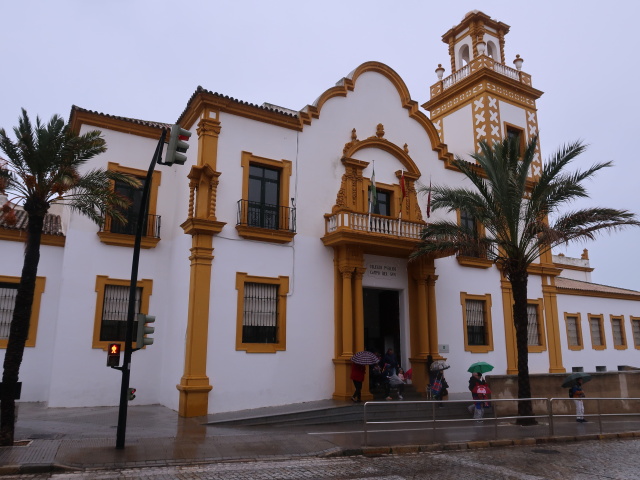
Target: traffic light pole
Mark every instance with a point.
(128, 347)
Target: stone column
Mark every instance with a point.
(347, 311)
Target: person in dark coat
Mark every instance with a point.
(391, 360)
(357, 375)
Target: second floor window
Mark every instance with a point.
(264, 194)
(131, 213)
(383, 203)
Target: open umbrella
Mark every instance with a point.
(439, 365)
(480, 367)
(570, 381)
(365, 358)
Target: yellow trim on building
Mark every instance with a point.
(124, 240)
(35, 309)
(101, 283)
(620, 318)
(486, 302)
(283, 289)
(580, 338)
(600, 319)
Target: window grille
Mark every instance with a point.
(533, 330)
(8, 293)
(635, 326)
(596, 333)
(616, 327)
(114, 312)
(260, 318)
(476, 324)
(572, 332)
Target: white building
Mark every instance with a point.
(266, 272)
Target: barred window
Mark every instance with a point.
(595, 326)
(260, 318)
(476, 324)
(8, 293)
(533, 327)
(635, 327)
(573, 333)
(618, 332)
(114, 312)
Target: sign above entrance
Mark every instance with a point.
(380, 269)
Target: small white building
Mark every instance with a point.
(267, 272)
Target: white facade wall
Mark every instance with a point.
(64, 369)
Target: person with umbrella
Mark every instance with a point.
(358, 371)
(574, 383)
(478, 388)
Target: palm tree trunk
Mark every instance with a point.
(519, 287)
(19, 327)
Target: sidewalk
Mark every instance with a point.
(58, 439)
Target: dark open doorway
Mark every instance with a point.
(382, 320)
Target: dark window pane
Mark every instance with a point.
(260, 317)
(115, 308)
(8, 293)
(264, 196)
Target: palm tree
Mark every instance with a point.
(43, 166)
(521, 218)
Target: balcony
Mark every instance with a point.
(123, 235)
(479, 63)
(261, 221)
(376, 233)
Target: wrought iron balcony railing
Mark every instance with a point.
(264, 215)
(151, 228)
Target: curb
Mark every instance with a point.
(475, 445)
(38, 468)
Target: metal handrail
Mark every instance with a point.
(434, 420)
(547, 408)
(599, 415)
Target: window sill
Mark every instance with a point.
(122, 240)
(478, 348)
(474, 262)
(265, 234)
(537, 348)
(261, 347)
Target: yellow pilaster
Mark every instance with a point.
(553, 326)
(433, 316)
(201, 224)
(194, 385)
(423, 319)
(347, 312)
(509, 328)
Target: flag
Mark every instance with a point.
(429, 201)
(373, 194)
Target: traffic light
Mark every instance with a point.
(144, 329)
(113, 355)
(178, 146)
(131, 393)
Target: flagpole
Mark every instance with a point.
(401, 203)
(372, 193)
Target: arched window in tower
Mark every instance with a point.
(463, 54)
(492, 51)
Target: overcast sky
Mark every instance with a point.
(144, 59)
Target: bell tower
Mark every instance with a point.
(482, 98)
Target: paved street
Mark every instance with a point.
(610, 459)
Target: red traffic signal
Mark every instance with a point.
(113, 355)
